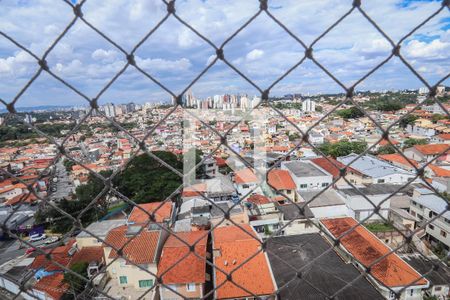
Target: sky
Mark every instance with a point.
(175, 55)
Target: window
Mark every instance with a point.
(437, 288)
(123, 279)
(380, 181)
(411, 292)
(303, 186)
(391, 295)
(145, 283)
(443, 233)
(431, 227)
(324, 184)
(190, 287)
(414, 203)
(288, 192)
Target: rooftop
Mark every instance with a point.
(375, 189)
(372, 166)
(191, 268)
(280, 180)
(328, 198)
(391, 271)
(303, 169)
(327, 274)
(101, 228)
(237, 246)
(425, 266)
(141, 213)
(140, 250)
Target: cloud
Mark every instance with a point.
(263, 50)
(105, 55)
(254, 54)
(160, 64)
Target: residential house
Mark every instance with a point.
(306, 252)
(132, 272)
(379, 170)
(98, 232)
(443, 138)
(246, 182)
(333, 167)
(307, 176)
(426, 153)
(439, 278)
(326, 204)
(364, 249)
(237, 250)
(282, 182)
(398, 160)
(188, 277)
(163, 212)
(426, 205)
(376, 194)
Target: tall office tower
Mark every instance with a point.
(244, 102)
(189, 98)
(131, 107)
(255, 101)
(110, 110)
(308, 105)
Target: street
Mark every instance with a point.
(63, 185)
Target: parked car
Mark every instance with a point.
(37, 237)
(52, 239)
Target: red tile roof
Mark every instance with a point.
(438, 171)
(397, 158)
(88, 254)
(53, 285)
(280, 180)
(392, 271)
(245, 176)
(194, 190)
(332, 166)
(236, 247)
(258, 199)
(162, 211)
(140, 250)
(191, 268)
(431, 149)
(444, 136)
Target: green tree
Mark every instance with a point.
(408, 143)
(148, 180)
(343, 148)
(350, 113)
(386, 149)
(437, 117)
(409, 119)
(77, 285)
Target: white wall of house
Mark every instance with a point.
(331, 211)
(360, 208)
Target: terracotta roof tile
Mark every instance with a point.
(162, 211)
(140, 250)
(53, 285)
(191, 269)
(392, 271)
(396, 157)
(245, 176)
(236, 247)
(281, 180)
(431, 149)
(258, 199)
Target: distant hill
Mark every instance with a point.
(39, 108)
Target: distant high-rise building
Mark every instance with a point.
(110, 110)
(308, 105)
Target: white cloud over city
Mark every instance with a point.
(175, 55)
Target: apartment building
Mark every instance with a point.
(426, 205)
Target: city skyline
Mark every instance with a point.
(175, 55)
